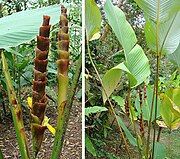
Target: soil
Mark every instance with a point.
(72, 143)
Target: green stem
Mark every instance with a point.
(149, 125)
(16, 112)
(111, 106)
(62, 120)
(1, 155)
(156, 102)
(155, 91)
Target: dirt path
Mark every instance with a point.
(72, 143)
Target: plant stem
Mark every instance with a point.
(149, 125)
(111, 106)
(156, 102)
(1, 154)
(155, 91)
(16, 112)
(63, 120)
(159, 133)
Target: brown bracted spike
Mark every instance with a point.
(41, 55)
(39, 76)
(43, 43)
(46, 20)
(63, 21)
(44, 31)
(63, 54)
(39, 86)
(38, 132)
(64, 30)
(63, 36)
(39, 99)
(63, 9)
(39, 109)
(63, 65)
(64, 45)
(41, 65)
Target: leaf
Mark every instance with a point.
(137, 67)
(119, 100)
(89, 145)
(129, 136)
(94, 109)
(175, 57)
(120, 26)
(170, 115)
(93, 19)
(158, 9)
(23, 26)
(168, 34)
(111, 79)
(160, 151)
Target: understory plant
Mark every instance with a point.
(24, 32)
(150, 106)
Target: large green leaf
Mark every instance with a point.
(160, 151)
(112, 78)
(167, 33)
(120, 26)
(137, 67)
(128, 134)
(175, 57)
(94, 109)
(170, 108)
(89, 145)
(158, 9)
(92, 19)
(23, 26)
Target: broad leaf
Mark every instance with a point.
(111, 79)
(94, 109)
(120, 26)
(23, 26)
(169, 109)
(128, 134)
(137, 67)
(167, 33)
(93, 20)
(175, 57)
(89, 145)
(160, 151)
(119, 100)
(158, 9)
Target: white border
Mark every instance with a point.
(83, 79)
